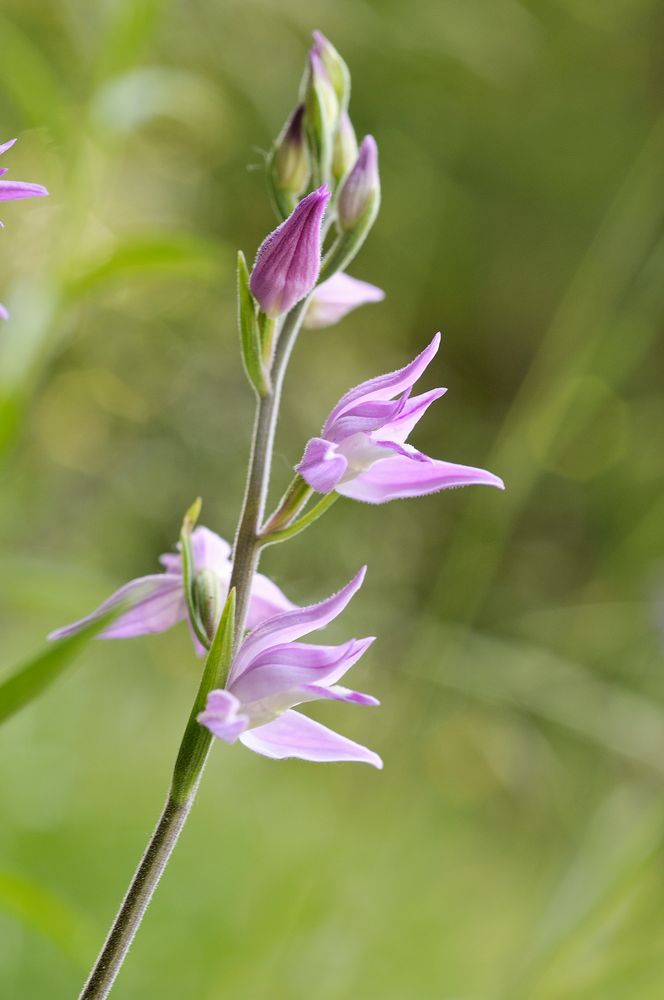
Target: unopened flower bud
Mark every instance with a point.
(207, 599)
(288, 260)
(359, 197)
(290, 160)
(345, 148)
(321, 115)
(337, 70)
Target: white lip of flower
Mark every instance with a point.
(361, 452)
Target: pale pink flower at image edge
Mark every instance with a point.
(14, 191)
(363, 453)
(157, 602)
(271, 674)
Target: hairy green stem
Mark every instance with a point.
(135, 903)
(245, 561)
(247, 545)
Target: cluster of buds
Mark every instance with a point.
(321, 183)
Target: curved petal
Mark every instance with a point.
(6, 145)
(222, 717)
(266, 600)
(384, 386)
(321, 466)
(366, 417)
(292, 625)
(336, 297)
(288, 667)
(295, 735)
(157, 601)
(210, 551)
(399, 428)
(397, 477)
(15, 190)
(313, 692)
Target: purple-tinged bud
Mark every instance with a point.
(337, 70)
(345, 148)
(318, 86)
(321, 115)
(359, 196)
(290, 160)
(288, 260)
(336, 297)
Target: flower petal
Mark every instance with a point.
(295, 735)
(3, 312)
(321, 465)
(6, 145)
(399, 428)
(210, 551)
(336, 297)
(313, 692)
(222, 717)
(366, 417)
(288, 667)
(14, 190)
(157, 601)
(265, 601)
(292, 625)
(384, 386)
(393, 478)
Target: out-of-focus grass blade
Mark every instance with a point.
(158, 254)
(24, 683)
(28, 77)
(510, 672)
(42, 911)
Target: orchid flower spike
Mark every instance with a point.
(336, 297)
(271, 673)
(362, 451)
(288, 260)
(158, 602)
(13, 191)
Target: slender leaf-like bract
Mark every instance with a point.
(30, 679)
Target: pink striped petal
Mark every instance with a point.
(266, 600)
(314, 692)
(295, 735)
(157, 602)
(290, 666)
(384, 386)
(292, 625)
(15, 190)
(398, 429)
(336, 297)
(222, 716)
(321, 466)
(398, 477)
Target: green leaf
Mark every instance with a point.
(250, 338)
(27, 681)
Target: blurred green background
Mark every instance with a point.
(512, 847)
